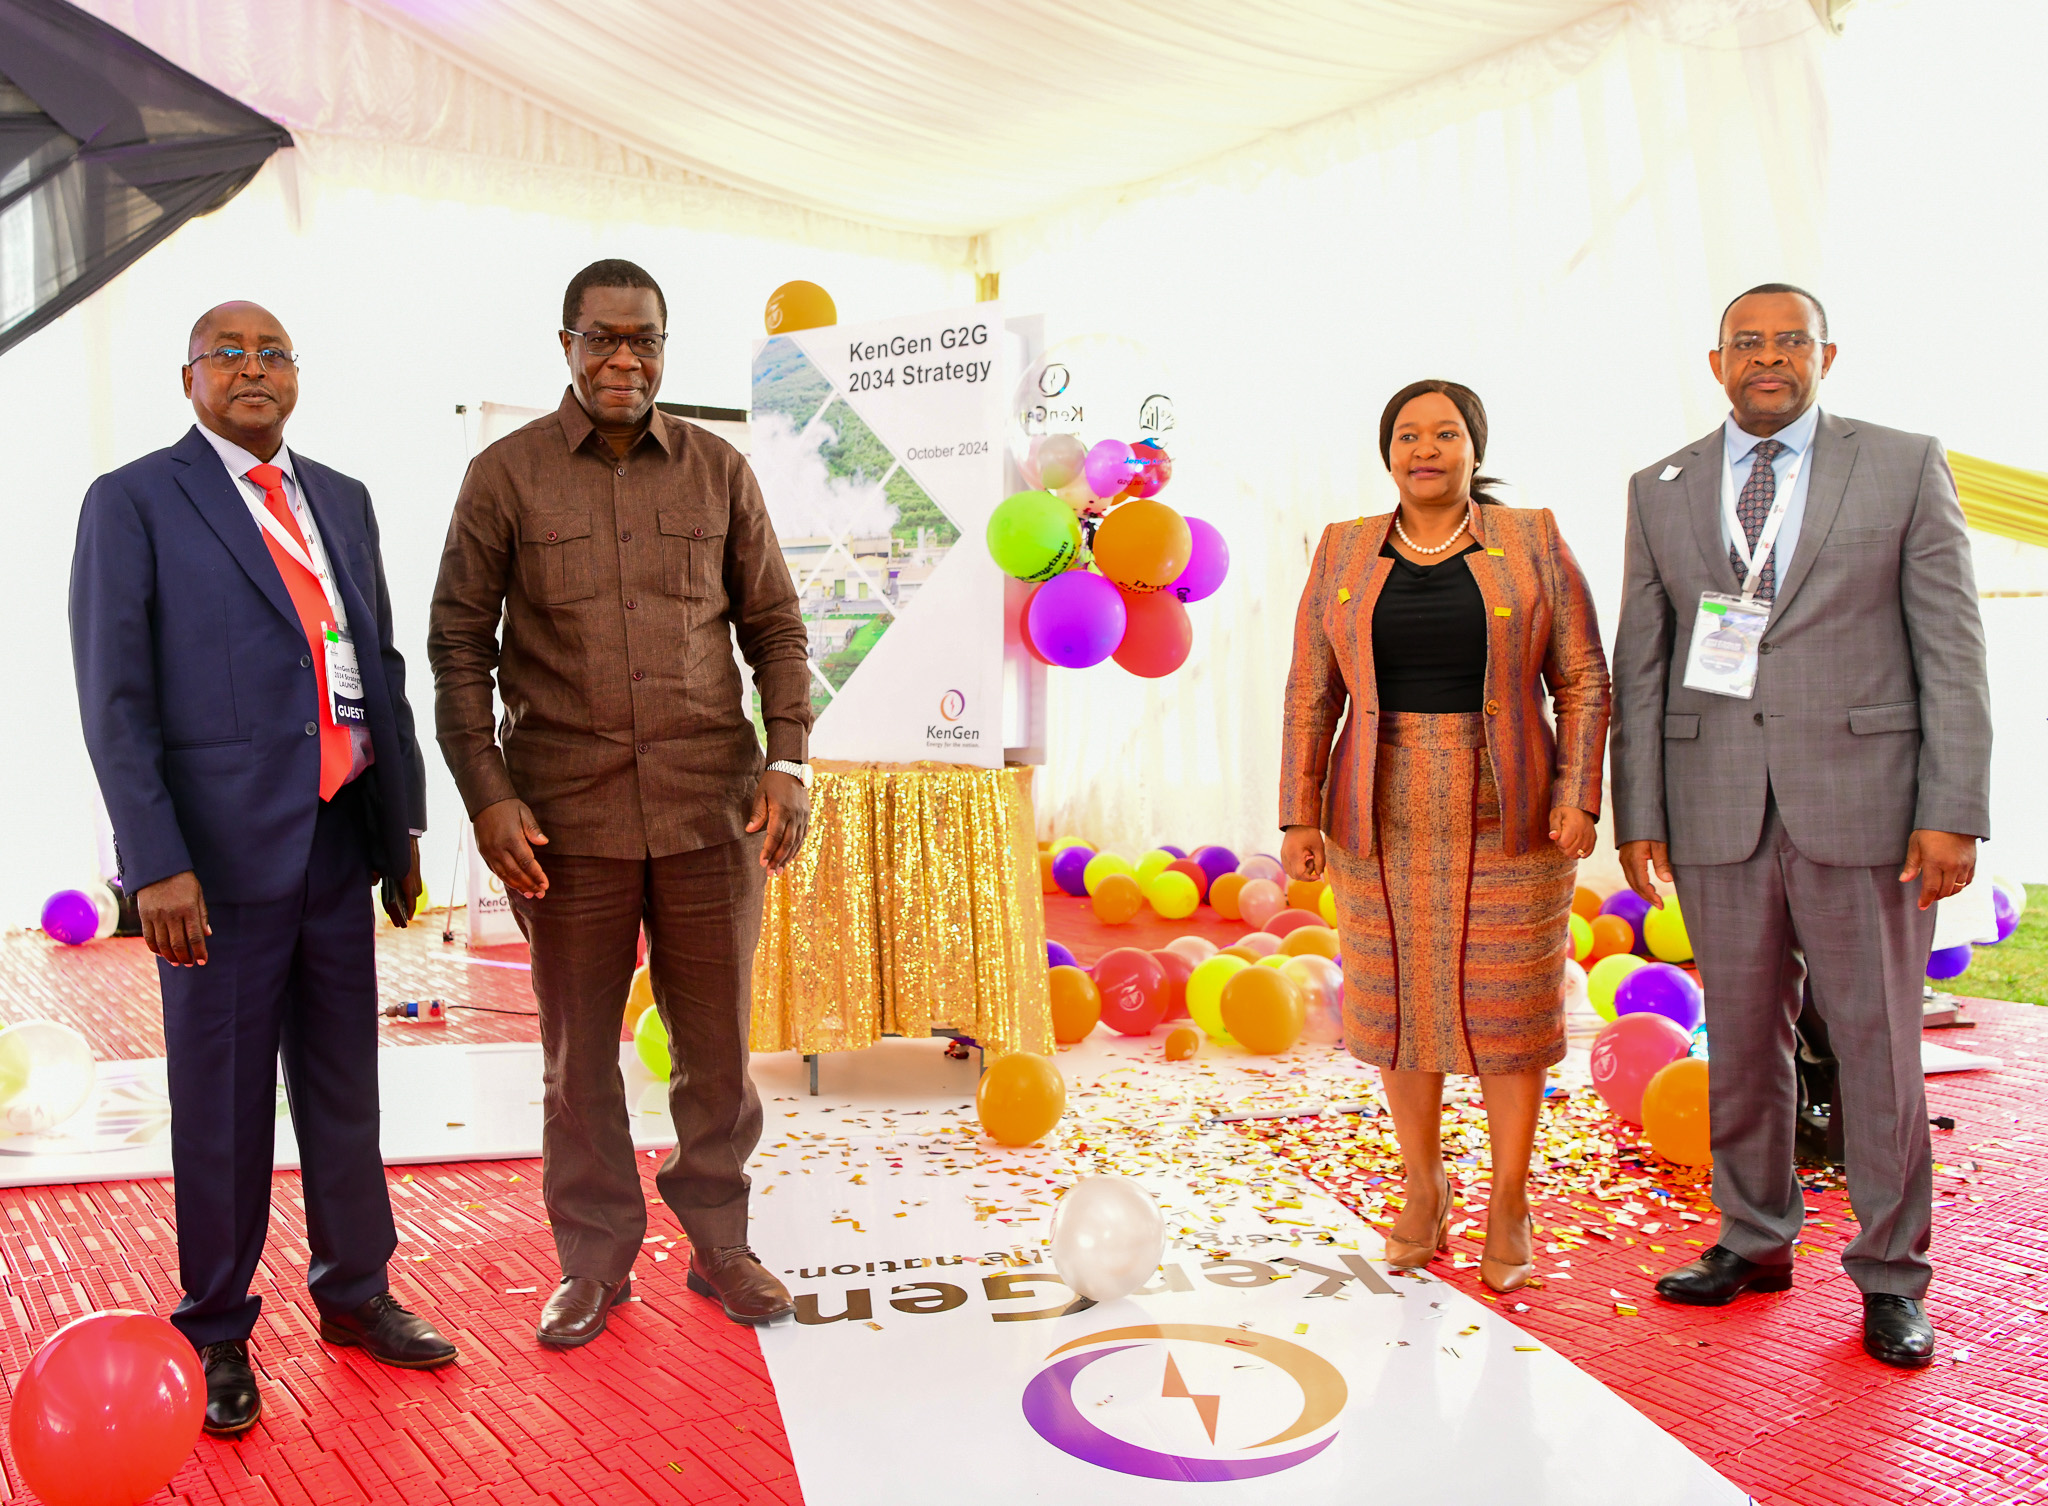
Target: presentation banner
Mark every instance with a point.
(879, 448)
(490, 912)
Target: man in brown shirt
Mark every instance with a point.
(623, 549)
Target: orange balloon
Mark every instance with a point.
(1309, 941)
(1076, 1005)
(1585, 902)
(1675, 1119)
(1223, 895)
(1306, 894)
(1020, 1099)
(1046, 882)
(1116, 899)
(1612, 936)
(1182, 1042)
(1143, 546)
(1263, 1009)
(799, 305)
(1245, 952)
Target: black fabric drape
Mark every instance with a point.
(105, 149)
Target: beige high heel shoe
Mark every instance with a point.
(1499, 1275)
(1407, 1255)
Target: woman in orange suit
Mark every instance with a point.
(1450, 817)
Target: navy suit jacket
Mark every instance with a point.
(195, 684)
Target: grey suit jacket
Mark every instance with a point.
(1872, 715)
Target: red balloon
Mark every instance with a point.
(1195, 871)
(1024, 631)
(1177, 969)
(1290, 920)
(1627, 1053)
(1157, 633)
(107, 1411)
(1133, 988)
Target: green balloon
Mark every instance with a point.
(1034, 536)
(650, 1039)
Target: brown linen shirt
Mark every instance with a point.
(625, 727)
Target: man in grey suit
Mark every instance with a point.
(1813, 823)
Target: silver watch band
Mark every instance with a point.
(801, 772)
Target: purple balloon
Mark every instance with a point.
(2005, 910)
(1077, 619)
(1108, 468)
(1058, 956)
(1169, 847)
(1216, 861)
(1662, 989)
(1207, 565)
(1631, 907)
(1068, 868)
(1948, 961)
(71, 917)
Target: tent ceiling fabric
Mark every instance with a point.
(952, 117)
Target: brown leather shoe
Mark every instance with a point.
(734, 1278)
(577, 1311)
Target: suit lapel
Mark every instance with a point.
(1703, 504)
(335, 539)
(1834, 457)
(219, 501)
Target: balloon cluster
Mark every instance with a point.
(2008, 904)
(1116, 567)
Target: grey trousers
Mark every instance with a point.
(703, 915)
(1759, 928)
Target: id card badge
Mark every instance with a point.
(344, 681)
(1725, 636)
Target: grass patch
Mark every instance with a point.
(2015, 969)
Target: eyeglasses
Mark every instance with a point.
(646, 347)
(234, 358)
(1792, 343)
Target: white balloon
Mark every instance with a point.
(109, 907)
(1107, 1237)
(46, 1075)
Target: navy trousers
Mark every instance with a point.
(294, 978)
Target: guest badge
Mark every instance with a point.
(344, 680)
(1728, 630)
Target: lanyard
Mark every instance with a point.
(1738, 536)
(282, 536)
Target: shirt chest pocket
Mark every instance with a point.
(692, 554)
(554, 558)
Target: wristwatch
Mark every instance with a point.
(800, 772)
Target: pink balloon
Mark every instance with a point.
(1287, 921)
(1258, 943)
(1321, 983)
(1208, 563)
(1627, 1054)
(1259, 901)
(1154, 470)
(1197, 949)
(1109, 467)
(1259, 866)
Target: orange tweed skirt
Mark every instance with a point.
(1454, 952)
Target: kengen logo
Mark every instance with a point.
(1050, 1409)
(952, 705)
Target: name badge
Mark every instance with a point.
(345, 706)
(1725, 636)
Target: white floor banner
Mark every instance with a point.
(879, 449)
(490, 921)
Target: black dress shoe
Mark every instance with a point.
(1896, 1331)
(579, 1309)
(1719, 1277)
(392, 1335)
(232, 1401)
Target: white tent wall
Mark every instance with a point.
(1564, 252)
(403, 308)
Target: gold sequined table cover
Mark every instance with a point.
(914, 906)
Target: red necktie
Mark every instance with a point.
(336, 755)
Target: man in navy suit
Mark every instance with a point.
(245, 712)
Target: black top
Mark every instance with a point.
(1429, 636)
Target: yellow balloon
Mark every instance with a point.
(1173, 896)
(1606, 977)
(1328, 905)
(1664, 933)
(650, 1040)
(1061, 844)
(423, 903)
(1151, 865)
(1582, 937)
(799, 305)
(1278, 959)
(1205, 994)
(1101, 866)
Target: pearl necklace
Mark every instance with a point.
(1439, 548)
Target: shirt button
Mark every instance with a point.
(1763, 648)
(699, 533)
(642, 748)
(312, 728)
(631, 604)
(626, 537)
(305, 661)
(639, 674)
(1493, 708)
(622, 470)
(552, 535)
(1758, 718)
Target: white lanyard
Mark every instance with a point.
(282, 536)
(1774, 520)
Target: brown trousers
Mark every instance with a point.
(703, 915)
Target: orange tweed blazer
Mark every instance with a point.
(1540, 628)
